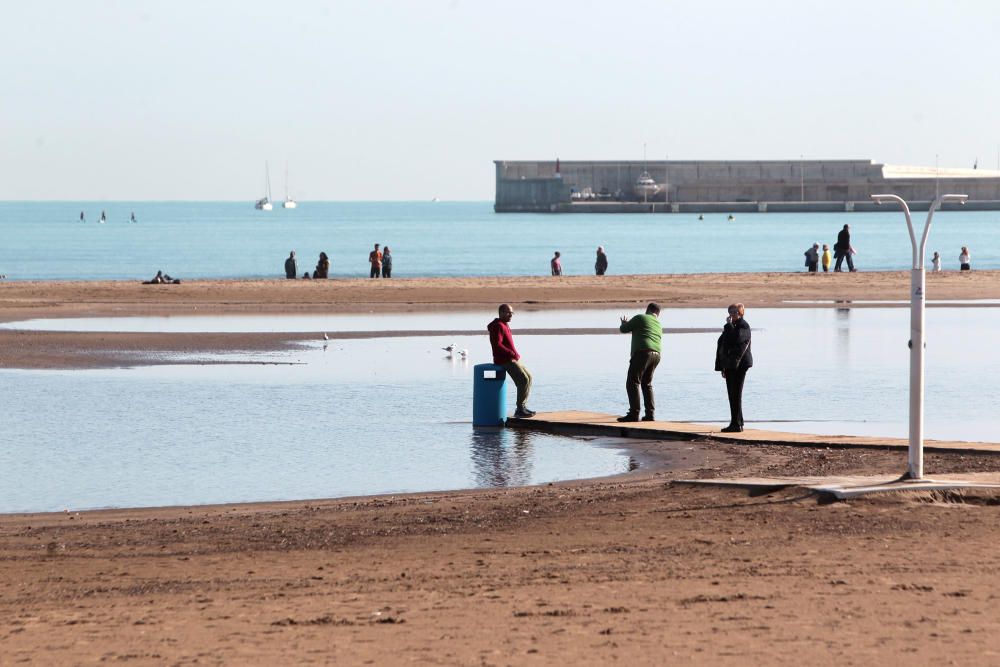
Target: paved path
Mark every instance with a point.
(596, 423)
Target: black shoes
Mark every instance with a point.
(733, 428)
(524, 413)
(648, 418)
(629, 418)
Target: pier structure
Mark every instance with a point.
(729, 186)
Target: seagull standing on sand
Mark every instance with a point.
(451, 349)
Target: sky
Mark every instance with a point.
(411, 100)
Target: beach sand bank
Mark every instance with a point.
(629, 569)
(32, 300)
(592, 572)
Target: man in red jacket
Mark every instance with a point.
(505, 354)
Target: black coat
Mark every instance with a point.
(734, 338)
(843, 243)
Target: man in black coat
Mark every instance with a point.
(734, 358)
(291, 267)
(842, 249)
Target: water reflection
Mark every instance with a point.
(501, 456)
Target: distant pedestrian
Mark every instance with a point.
(386, 263)
(812, 258)
(83, 218)
(601, 266)
(965, 259)
(291, 267)
(842, 249)
(647, 334)
(322, 267)
(936, 261)
(827, 259)
(375, 259)
(506, 355)
(734, 359)
(556, 264)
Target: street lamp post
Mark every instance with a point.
(915, 469)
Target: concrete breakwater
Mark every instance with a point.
(729, 186)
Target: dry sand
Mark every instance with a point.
(630, 569)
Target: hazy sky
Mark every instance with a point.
(148, 99)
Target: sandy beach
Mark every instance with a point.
(633, 568)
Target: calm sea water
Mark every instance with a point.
(232, 240)
(389, 415)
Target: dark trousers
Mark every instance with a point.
(640, 374)
(376, 271)
(734, 387)
(812, 266)
(840, 260)
(387, 270)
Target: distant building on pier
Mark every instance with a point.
(682, 186)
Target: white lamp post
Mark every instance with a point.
(915, 470)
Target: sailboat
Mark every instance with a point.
(289, 202)
(265, 203)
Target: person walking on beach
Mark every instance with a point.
(556, 264)
(812, 258)
(601, 266)
(733, 358)
(322, 267)
(964, 260)
(291, 267)
(826, 258)
(506, 355)
(842, 248)
(386, 263)
(647, 334)
(936, 261)
(375, 259)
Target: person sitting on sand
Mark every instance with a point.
(161, 278)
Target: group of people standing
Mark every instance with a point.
(843, 249)
(600, 266)
(379, 259)
(733, 359)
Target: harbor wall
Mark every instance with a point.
(706, 186)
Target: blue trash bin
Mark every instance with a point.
(489, 395)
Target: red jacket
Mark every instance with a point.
(502, 341)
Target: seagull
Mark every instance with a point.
(451, 349)
(325, 337)
(463, 353)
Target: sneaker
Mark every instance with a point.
(629, 418)
(524, 413)
(732, 428)
(648, 418)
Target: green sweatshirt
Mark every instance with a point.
(646, 333)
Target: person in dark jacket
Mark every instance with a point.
(322, 267)
(601, 266)
(812, 258)
(387, 263)
(733, 358)
(291, 267)
(842, 249)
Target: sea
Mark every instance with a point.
(192, 240)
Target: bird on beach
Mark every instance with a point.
(451, 349)
(325, 337)
(463, 353)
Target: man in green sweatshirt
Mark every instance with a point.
(646, 333)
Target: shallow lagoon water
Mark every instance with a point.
(392, 414)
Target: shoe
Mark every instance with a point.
(732, 428)
(629, 418)
(524, 413)
(648, 418)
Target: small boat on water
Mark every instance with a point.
(645, 186)
(264, 204)
(289, 202)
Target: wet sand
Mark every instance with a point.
(31, 300)
(623, 569)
